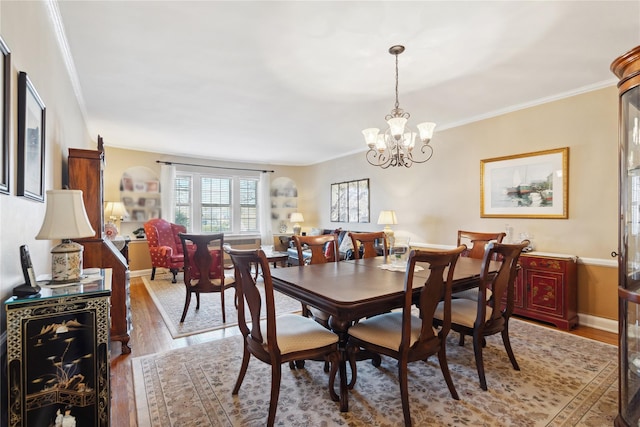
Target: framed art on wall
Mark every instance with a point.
(5, 98)
(531, 185)
(31, 139)
(350, 201)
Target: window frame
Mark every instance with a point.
(195, 207)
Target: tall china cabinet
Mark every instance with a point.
(627, 69)
(86, 174)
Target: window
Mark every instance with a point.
(217, 204)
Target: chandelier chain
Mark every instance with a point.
(397, 101)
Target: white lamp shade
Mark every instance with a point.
(296, 217)
(426, 131)
(65, 216)
(371, 136)
(387, 217)
(116, 209)
(396, 126)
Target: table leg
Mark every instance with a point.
(340, 328)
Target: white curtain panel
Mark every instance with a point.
(264, 201)
(167, 192)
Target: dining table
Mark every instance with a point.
(356, 289)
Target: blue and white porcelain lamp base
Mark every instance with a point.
(66, 262)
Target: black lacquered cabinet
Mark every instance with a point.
(58, 355)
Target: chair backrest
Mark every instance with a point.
(161, 232)
(476, 242)
(370, 243)
(500, 283)
(247, 293)
(324, 248)
(436, 288)
(204, 258)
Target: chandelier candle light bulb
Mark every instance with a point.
(395, 146)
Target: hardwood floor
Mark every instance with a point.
(150, 335)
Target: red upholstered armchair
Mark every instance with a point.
(165, 247)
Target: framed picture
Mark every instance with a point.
(5, 99)
(153, 186)
(531, 185)
(31, 139)
(350, 201)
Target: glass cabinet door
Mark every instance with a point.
(627, 68)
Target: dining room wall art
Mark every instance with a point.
(31, 140)
(530, 185)
(350, 201)
(5, 98)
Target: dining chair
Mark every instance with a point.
(476, 242)
(369, 244)
(407, 337)
(323, 249)
(277, 339)
(204, 269)
(484, 315)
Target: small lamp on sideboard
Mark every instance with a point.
(296, 218)
(115, 212)
(65, 219)
(388, 218)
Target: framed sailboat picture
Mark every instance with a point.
(531, 185)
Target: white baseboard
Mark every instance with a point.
(601, 323)
(140, 273)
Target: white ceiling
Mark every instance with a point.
(296, 82)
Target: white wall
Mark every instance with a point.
(435, 199)
(27, 30)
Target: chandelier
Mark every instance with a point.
(396, 146)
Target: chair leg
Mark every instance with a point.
(444, 367)
(507, 346)
(334, 361)
(477, 349)
(243, 370)
(197, 300)
(153, 273)
(187, 301)
(275, 392)
(224, 316)
(404, 391)
(175, 272)
(461, 342)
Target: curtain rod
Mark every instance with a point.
(215, 167)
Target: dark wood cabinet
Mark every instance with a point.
(86, 174)
(546, 289)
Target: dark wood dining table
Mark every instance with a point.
(351, 290)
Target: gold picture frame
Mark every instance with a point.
(530, 185)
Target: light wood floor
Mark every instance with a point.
(150, 335)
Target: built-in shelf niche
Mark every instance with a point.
(140, 193)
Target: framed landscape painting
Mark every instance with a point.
(31, 138)
(531, 185)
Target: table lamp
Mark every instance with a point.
(296, 218)
(65, 218)
(115, 212)
(387, 218)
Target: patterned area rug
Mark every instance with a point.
(564, 380)
(169, 298)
